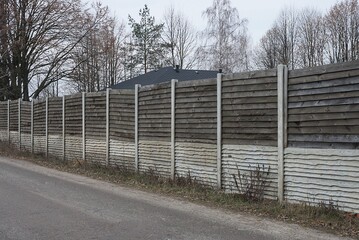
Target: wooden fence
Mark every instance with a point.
(301, 123)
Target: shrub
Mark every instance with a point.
(252, 184)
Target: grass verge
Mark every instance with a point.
(325, 216)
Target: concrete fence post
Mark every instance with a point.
(19, 122)
(8, 121)
(219, 130)
(137, 86)
(63, 128)
(83, 126)
(282, 74)
(32, 127)
(108, 92)
(47, 126)
(173, 128)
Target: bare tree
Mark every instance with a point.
(180, 38)
(265, 54)
(311, 38)
(280, 43)
(342, 24)
(286, 30)
(40, 36)
(226, 40)
(98, 56)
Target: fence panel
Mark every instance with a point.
(73, 127)
(39, 126)
(55, 138)
(249, 127)
(95, 118)
(323, 107)
(196, 130)
(122, 129)
(25, 126)
(3, 121)
(154, 127)
(322, 161)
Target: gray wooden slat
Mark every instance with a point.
(331, 102)
(251, 75)
(325, 69)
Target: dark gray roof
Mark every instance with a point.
(165, 75)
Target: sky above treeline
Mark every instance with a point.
(260, 13)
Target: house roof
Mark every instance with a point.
(165, 74)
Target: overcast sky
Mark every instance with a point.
(260, 13)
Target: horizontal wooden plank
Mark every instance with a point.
(325, 96)
(154, 102)
(196, 121)
(338, 138)
(196, 110)
(210, 100)
(191, 105)
(350, 130)
(325, 123)
(163, 97)
(325, 83)
(196, 115)
(152, 111)
(250, 130)
(248, 136)
(330, 89)
(250, 88)
(249, 124)
(331, 102)
(150, 90)
(243, 100)
(240, 116)
(154, 87)
(325, 109)
(193, 83)
(256, 94)
(251, 75)
(194, 130)
(121, 92)
(322, 145)
(196, 136)
(154, 116)
(325, 69)
(322, 116)
(250, 106)
(196, 94)
(228, 110)
(200, 88)
(226, 85)
(122, 100)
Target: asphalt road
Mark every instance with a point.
(41, 203)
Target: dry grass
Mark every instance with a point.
(325, 216)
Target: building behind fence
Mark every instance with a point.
(301, 123)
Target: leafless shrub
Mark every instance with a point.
(252, 184)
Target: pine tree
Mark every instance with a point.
(147, 44)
